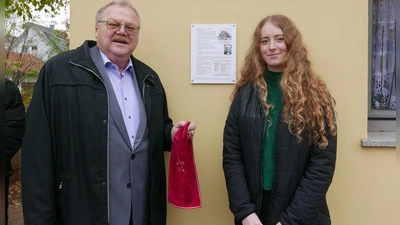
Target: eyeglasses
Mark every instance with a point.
(115, 26)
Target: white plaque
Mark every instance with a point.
(213, 53)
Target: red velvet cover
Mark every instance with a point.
(183, 185)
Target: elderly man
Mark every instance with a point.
(97, 128)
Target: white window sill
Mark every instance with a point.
(380, 139)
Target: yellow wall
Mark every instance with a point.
(336, 33)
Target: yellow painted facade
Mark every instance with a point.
(336, 34)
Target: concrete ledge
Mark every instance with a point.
(380, 139)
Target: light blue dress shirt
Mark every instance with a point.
(125, 93)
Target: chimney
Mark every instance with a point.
(51, 27)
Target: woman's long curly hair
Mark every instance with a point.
(308, 108)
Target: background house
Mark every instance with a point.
(42, 42)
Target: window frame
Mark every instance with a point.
(379, 120)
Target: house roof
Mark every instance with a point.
(49, 34)
(28, 61)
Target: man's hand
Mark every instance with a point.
(175, 128)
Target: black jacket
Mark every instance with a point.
(14, 120)
(302, 176)
(66, 142)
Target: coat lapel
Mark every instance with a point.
(142, 118)
(115, 111)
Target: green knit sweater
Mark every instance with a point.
(274, 98)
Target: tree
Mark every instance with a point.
(20, 65)
(24, 8)
(65, 33)
(27, 46)
(59, 37)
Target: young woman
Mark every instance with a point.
(280, 135)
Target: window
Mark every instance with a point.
(382, 71)
(34, 49)
(25, 49)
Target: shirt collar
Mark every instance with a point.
(107, 63)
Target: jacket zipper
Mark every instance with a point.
(275, 166)
(108, 136)
(60, 186)
(261, 168)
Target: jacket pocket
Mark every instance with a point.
(61, 200)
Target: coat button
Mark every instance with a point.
(129, 185)
(133, 156)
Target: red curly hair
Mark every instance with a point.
(308, 106)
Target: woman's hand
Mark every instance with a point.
(251, 219)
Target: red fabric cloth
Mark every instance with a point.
(183, 185)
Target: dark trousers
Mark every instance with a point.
(6, 188)
(265, 204)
